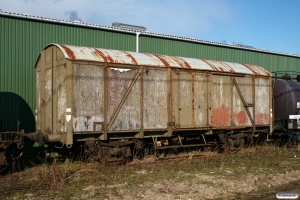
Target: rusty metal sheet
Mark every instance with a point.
(222, 66)
(155, 99)
(125, 57)
(200, 100)
(262, 95)
(47, 102)
(118, 84)
(220, 101)
(61, 103)
(88, 97)
(240, 116)
(129, 115)
(186, 114)
(257, 70)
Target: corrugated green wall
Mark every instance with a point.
(21, 41)
(271, 62)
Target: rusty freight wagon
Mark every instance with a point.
(116, 101)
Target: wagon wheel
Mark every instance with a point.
(103, 158)
(292, 143)
(231, 146)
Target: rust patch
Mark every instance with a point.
(74, 109)
(98, 53)
(69, 52)
(162, 60)
(220, 116)
(250, 68)
(181, 62)
(213, 67)
(262, 119)
(230, 69)
(131, 57)
(241, 117)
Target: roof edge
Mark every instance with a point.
(147, 33)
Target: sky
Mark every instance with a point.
(267, 24)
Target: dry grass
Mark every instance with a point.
(77, 180)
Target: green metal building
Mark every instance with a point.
(22, 37)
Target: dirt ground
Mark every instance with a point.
(249, 175)
(205, 187)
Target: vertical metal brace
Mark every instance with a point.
(179, 139)
(69, 138)
(271, 105)
(124, 98)
(169, 100)
(204, 138)
(105, 89)
(231, 100)
(253, 100)
(154, 139)
(209, 100)
(141, 133)
(42, 83)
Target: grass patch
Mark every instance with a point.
(73, 180)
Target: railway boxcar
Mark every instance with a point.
(118, 100)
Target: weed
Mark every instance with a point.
(69, 179)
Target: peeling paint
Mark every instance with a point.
(131, 57)
(83, 124)
(69, 52)
(262, 119)
(106, 58)
(181, 62)
(221, 116)
(241, 118)
(261, 105)
(162, 60)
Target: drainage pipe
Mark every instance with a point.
(137, 41)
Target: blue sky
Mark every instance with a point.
(267, 24)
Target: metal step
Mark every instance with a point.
(183, 146)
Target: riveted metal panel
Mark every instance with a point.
(87, 106)
(240, 115)
(155, 99)
(262, 95)
(61, 95)
(200, 99)
(118, 84)
(189, 99)
(48, 100)
(186, 112)
(220, 101)
(128, 116)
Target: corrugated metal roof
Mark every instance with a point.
(133, 58)
(78, 23)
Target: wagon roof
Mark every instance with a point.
(146, 59)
